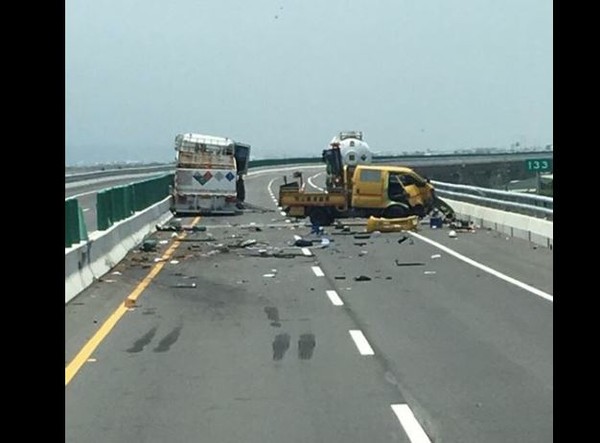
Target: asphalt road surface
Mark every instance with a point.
(443, 340)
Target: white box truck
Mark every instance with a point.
(209, 174)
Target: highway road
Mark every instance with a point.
(445, 339)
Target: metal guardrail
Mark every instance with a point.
(529, 204)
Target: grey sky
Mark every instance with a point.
(287, 75)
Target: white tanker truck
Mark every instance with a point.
(353, 151)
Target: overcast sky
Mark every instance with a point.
(287, 75)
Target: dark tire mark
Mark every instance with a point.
(306, 345)
(280, 345)
(165, 344)
(140, 343)
(273, 315)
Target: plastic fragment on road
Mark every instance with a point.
(174, 262)
(452, 234)
(434, 256)
(163, 242)
(429, 272)
(269, 275)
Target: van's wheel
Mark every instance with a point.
(396, 211)
(419, 210)
(321, 217)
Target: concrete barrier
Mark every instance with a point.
(88, 261)
(533, 229)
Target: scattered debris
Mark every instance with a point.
(149, 245)
(360, 243)
(463, 225)
(398, 263)
(193, 239)
(435, 222)
(362, 236)
(402, 239)
(269, 275)
(392, 224)
(452, 234)
(174, 262)
(303, 242)
(388, 278)
(117, 273)
(434, 256)
(163, 242)
(428, 272)
(158, 259)
(362, 278)
(173, 225)
(362, 253)
(246, 243)
(194, 228)
(129, 303)
(340, 277)
(92, 360)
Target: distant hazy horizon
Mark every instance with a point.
(286, 76)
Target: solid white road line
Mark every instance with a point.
(411, 426)
(361, 342)
(487, 269)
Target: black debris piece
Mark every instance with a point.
(362, 278)
(398, 263)
(302, 242)
(149, 245)
(402, 239)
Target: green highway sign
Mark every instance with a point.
(539, 165)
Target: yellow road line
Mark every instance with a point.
(84, 354)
